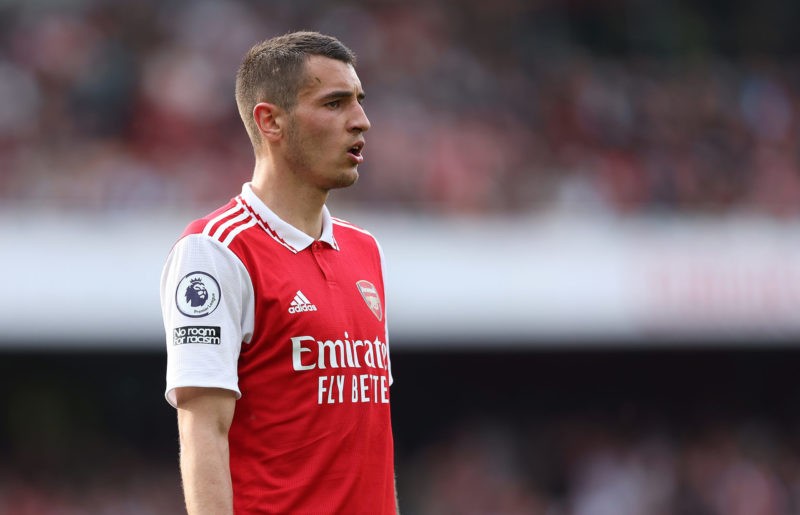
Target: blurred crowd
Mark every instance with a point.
(574, 465)
(580, 465)
(132, 487)
(477, 107)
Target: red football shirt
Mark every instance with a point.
(297, 328)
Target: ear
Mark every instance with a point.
(269, 120)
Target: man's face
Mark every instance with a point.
(324, 136)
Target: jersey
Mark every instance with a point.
(296, 327)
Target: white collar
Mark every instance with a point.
(293, 237)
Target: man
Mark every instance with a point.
(277, 352)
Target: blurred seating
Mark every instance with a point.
(477, 108)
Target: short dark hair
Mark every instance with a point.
(273, 70)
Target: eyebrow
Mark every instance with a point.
(335, 95)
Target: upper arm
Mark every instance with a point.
(206, 408)
(204, 335)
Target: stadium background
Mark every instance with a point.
(590, 211)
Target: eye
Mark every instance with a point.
(333, 104)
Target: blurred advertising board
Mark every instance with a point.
(91, 281)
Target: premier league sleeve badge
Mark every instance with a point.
(198, 295)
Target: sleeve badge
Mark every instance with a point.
(198, 295)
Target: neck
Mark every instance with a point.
(293, 201)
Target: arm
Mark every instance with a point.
(204, 417)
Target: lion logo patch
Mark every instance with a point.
(198, 295)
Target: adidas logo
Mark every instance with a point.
(301, 304)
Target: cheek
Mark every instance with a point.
(322, 137)
(320, 129)
(314, 140)
(320, 148)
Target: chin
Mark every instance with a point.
(346, 179)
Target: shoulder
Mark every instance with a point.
(355, 237)
(223, 224)
(343, 228)
(201, 225)
(213, 237)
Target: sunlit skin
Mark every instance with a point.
(314, 147)
(301, 154)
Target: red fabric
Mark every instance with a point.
(316, 440)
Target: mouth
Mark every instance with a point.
(355, 152)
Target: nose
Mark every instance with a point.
(359, 122)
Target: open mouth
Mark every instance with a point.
(355, 150)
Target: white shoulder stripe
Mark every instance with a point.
(239, 229)
(336, 221)
(223, 227)
(211, 223)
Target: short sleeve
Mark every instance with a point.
(208, 310)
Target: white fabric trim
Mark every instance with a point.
(234, 220)
(204, 364)
(239, 229)
(296, 239)
(213, 221)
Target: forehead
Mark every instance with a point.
(323, 75)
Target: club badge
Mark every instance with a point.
(198, 295)
(370, 295)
